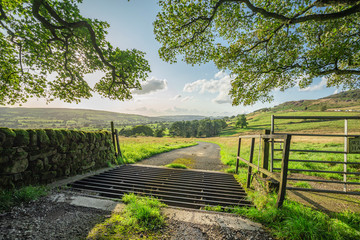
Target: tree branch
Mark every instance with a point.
(340, 71)
(3, 15)
(70, 25)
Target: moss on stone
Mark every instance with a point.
(7, 137)
(22, 137)
(43, 138)
(32, 137)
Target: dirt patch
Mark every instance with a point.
(187, 231)
(328, 202)
(45, 219)
(49, 219)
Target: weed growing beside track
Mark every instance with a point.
(14, 197)
(141, 218)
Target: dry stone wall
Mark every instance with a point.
(41, 156)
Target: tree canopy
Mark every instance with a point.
(43, 37)
(265, 44)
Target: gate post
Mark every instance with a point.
(284, 171)
(251, 161)
(113, 137)
(265, 153)
(238, 156)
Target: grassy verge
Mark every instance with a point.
(141, 218)
(294, 220)
(136, 149)
(14, 197)
(176, 165)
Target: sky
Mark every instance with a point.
(171, 89)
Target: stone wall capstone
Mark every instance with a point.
(43, 155)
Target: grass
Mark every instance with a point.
(229, 147)
(176, 165)
(302, 185)
(293, 220)
(141, 218)
(298, 222)
(14, 197)
(257, 122)
(137, 148)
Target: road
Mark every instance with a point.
(205, 156)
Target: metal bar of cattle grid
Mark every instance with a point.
(176, 187)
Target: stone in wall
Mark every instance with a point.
(41, 156)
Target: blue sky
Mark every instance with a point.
(171, 89)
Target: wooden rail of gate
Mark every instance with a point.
(345, 152)
(286, 138)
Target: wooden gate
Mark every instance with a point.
(275, 143)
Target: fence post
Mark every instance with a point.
(117, 143)
(265, 153)
(284, 171)
(272, 143)
(250, 160)
(238, 155)
(113, 136)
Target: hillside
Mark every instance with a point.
(76, 118)
(344, 101)
(341, 104)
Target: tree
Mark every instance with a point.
(142, 130)
(265, 44)
(42, 37)
(241, 121)
(159, 132)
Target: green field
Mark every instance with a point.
(257, 122)
(83, 119)
(135, 149)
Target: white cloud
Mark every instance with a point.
(186, 99)
(221, 85)
(179, 110)
(319, 86)
(195, 86)
(220, 74)
(223, 97)
(152, 85)
(336, 91)
(176, 97)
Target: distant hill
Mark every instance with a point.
(76, 118)
(343, 101)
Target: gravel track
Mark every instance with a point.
(205, 156)
(46, 219)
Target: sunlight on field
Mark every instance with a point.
(137, 148)
(257, 122)
(229, 146)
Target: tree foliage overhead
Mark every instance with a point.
(42, 37)
(265, 44)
